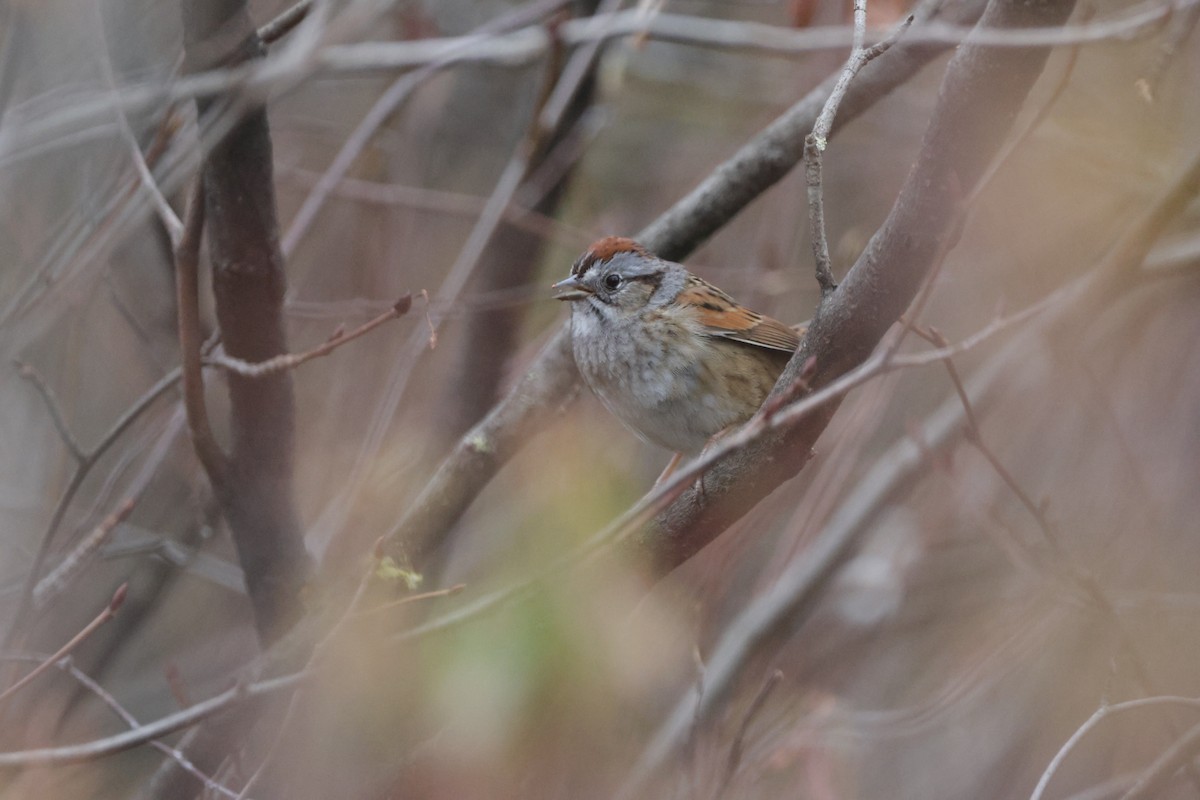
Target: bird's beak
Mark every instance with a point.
(570, 289)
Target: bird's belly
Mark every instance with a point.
(677, 396)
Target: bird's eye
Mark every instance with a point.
(612, 281)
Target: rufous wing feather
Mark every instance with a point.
(723, 316)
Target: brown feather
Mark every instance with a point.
(723, 316)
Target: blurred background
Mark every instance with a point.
(951, 657)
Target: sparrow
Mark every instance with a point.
(673, 357)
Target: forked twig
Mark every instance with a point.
(816, 142)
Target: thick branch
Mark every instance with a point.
(248, 284)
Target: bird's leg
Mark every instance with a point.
(670, 468)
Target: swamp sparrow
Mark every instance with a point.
(673, 357)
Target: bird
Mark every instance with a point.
(674, 358)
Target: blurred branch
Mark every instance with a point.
(141, 164)
(513, 255)
(793, 595)
(284, 23)
(542, 133)
(526, 218)
(84, 466)
(1181, 25)
(757, 166)
(816, 142)
(104, 616)
(288, 361)
(1075, 573)
(61, 576)
(1176, 757)
(82, 678)
(395, 95)
(734, 762)
(142, 734)
(264, 78)
(1102, 713)
(51, 400)
(520, 47)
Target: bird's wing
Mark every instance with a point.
(721, 315)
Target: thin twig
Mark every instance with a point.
(32, 139)
(48, 397)
(62, 575)
(187, 257)
(1176, 757)
(512, 177)
(285, 22)
(395, 95)
(166, 214)
(1103, 712)
(67, 666)
(412, 598)
(1075, 572)
(117, 743)
(525, 45)
(131, 415)
(287, 361)
(816, 142)
(104, 616)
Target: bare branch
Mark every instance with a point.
(65, 665)
(735, 749)
(187, 257)
(1176, 757)
(61, 576)
(288, 361)
(260, 80)
(109, 745)
(48, 397)
(131, 415)
(389, 101)
(285, 22)
(521, 47)
(256, 490)
(816, 142)
(1102, 713)
(104, 616)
